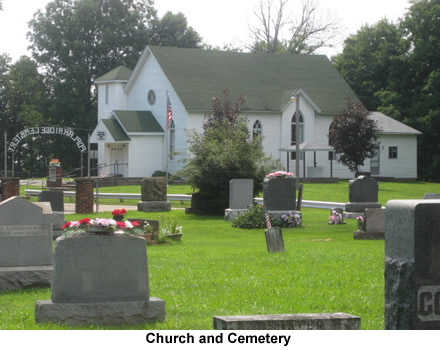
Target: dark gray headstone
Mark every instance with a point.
(362, 193)
(274, 240)
(55, 198)
(241, 193)
(25, 234)
(100, 268)
(412, 264)
(334, 321)
(431, 195)
(279, 194)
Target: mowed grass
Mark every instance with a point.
(221, 270)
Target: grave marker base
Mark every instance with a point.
(19, 277)
(332, 321)
(362, 235)
(100, 313)
(154, 206)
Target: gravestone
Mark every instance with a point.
(412, 264)
(274, 240)
(241, 196)
(362, 194)
(25, 244)
(431, 195)
(100, 279)
(374, 223)
(55, 198)
(279, 194)
(336, 216)
(331, 321)
(154, 195)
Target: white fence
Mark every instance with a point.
(184, 197)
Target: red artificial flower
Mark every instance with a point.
(135, 223)
(84, 221)
(119, 212)
(120, 224)
(66, 225)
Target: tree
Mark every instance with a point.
(354, 136)
(308, 32)
(25, 103)
(224, 151)
(173, 30)
(372, 62)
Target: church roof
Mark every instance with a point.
(388, 125)
(120, 73)
(138, 121)
(266, 80)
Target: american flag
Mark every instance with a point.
(169, 112)
(266, 215)
(101, 173)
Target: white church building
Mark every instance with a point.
(132, 111)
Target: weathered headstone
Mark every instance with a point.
(374, 222)
(100, 279)
(55, 198)
(154, 195)
(412, 264)
(241, 196)
(362, 194)
(274, 240)
(25, 244)
(332, 321)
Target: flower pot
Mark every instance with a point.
(148, 237)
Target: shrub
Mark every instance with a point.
(253, 217)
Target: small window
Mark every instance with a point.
(392, 152)
(257, 129)
(106, 94)
(151, 97)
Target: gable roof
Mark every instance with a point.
(266, 80)
(120, 73)
(388, 125)
(138, 122)
(115, 130)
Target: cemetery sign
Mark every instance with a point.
(47, 130)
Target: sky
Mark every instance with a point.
(218, 22)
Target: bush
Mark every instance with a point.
(160, 173)
(253, 217)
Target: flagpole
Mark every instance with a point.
(166, 137)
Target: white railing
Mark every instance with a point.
(185, 197)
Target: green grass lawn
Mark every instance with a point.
(221, 270)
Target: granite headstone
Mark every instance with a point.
(25, 244)
(100, 279)
(362, 194)
(154, 195)
(241, 196)
(374, 223)
(55, 198)
(279, 194)
(412, 264)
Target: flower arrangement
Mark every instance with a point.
(280, 173)
(335, 218)
(169, 229)
(291, 220)
(103, 225)
(360, 221)
(54, 162)
(118, 214)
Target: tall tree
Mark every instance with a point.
(25, 104)
(307, 32)
(173, 30)
(372, 62)
(354, 136)
(74, 41)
